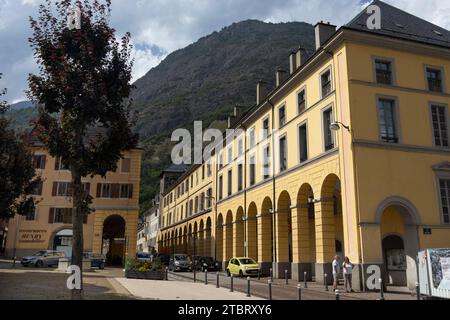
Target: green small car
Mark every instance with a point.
(242, 267)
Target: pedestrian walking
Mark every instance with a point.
(347, 266)
(336, 271)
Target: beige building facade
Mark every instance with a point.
(110, 229)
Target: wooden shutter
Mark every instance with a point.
(55, 188)
(57, 163)
(43, 161)
(87, 187)
(126, 165)
(130, 191)
(51, 215)
(99, 189)
(67, 216)
(115, 191)
(85, 219)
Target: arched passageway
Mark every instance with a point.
(399, 220)
(113, 245)
(265, 236)
(239, 234)
(252, 232)
(284, 252)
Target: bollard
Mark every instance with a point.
(286, 277)
(304, 279)
(195, 275)
(270, 289)
(418, 290)
(271, 274)
(325, 279)
(299, 292)
(248, 287)
(338, 297)
(259, 274)
(217, 280)
(231, 283)
(381, 289)
(167, 274)
(206, 277)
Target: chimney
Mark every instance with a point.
(261, 92)
(300, 57)
(231, 121)
(280, 76)
(292, 61)
(238, 111)
(323, 32)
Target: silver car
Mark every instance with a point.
(44, 258)
(180, 262)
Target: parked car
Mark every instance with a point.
(97, 260)
(164, 258)
(43, 258)
(204, 263)
(143, 257)
(242, 267)
(180, 262)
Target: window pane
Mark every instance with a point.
(303, 140)
(383, 71)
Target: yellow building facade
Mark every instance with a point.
(111, 229)
(348, 156)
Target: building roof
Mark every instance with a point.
(400, 24)
(176, 168)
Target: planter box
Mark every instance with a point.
(150, 275)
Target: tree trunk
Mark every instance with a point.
(77, 222)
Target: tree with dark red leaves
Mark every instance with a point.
(82, 91)
(18, 179)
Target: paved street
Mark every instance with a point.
(21, 283)
(110, 284)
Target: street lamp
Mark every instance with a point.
(336, 126)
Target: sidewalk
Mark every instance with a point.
(281, 291)
(178, 290)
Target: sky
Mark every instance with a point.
(159, 27)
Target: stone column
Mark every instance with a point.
(301, 245)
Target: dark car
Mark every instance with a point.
(97, 260)
(204, 263)
(164, 258)
(143, 257)
(180, 262)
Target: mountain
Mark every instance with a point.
(218, 70)
(21, 105)
(204, 81)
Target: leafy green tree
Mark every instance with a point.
(82, 92)
(18, 177)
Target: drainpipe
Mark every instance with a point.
(245, 192)
(274, 206)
